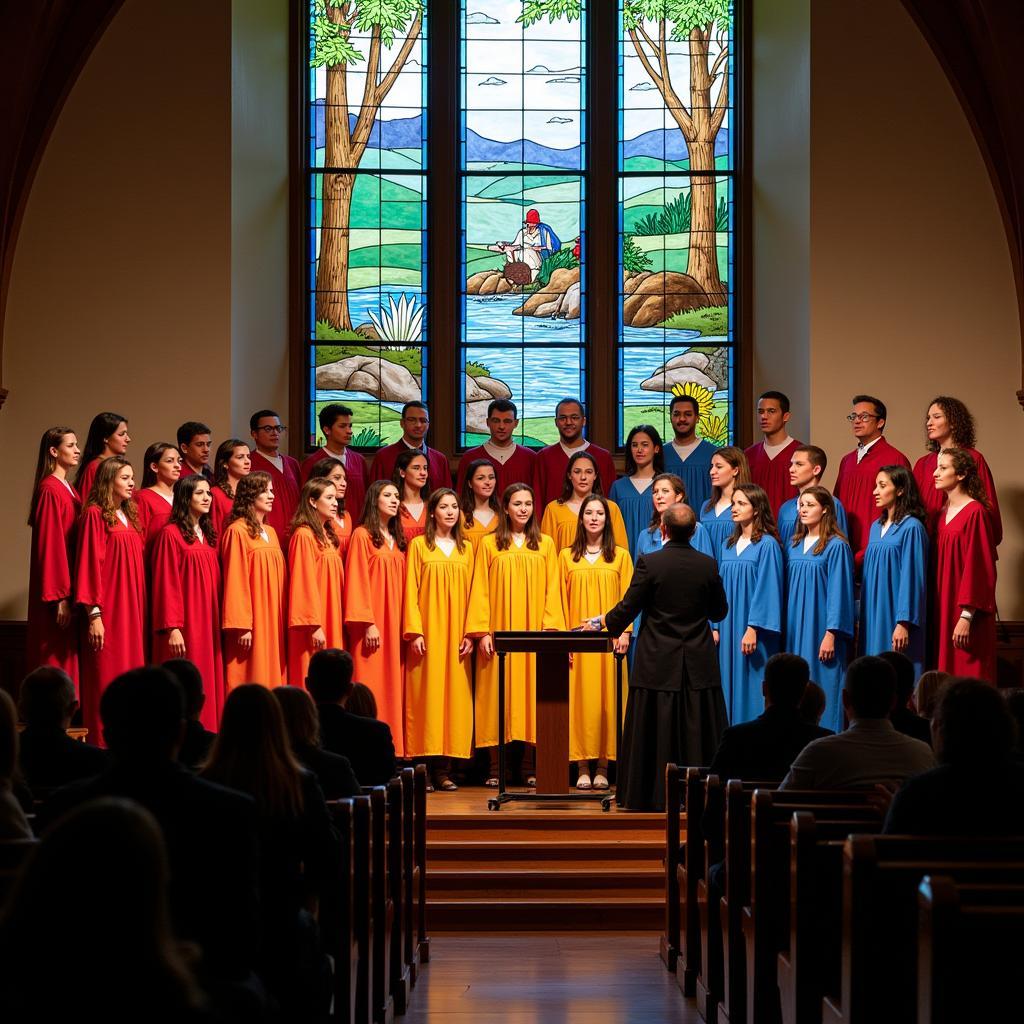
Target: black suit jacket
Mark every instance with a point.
(50, 758)
(333, 772)
(905, 721)
(677, 590)
(765, 747)
(196, 744)
(366, 743)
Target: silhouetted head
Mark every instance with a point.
(191, 682)
(904, 669)
(972, 724)
(143, 714)
(785, 679)
(47, 698)
(870, 688)
(329, 676)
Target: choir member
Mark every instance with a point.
(750, 564)
(316, 577)
(52, 636)
(632, 491)
(807, 466)
(819, 598)
(195, 441)
(110, 585)
(267, 430)
(553, 461)
(232, 463)
(689, 456)
(894, 589)
(161, 471)
(411, 477)
(336, 425)
(728, 470)
(769, 458)
(560, 517)
(331, 469)
(415, 423)
(512, 462)
(479, 502)
(254, 587)
(515, 586)
(374, 594)
(965, 570)
(438, 666)
(186, 613)
(107, 437)
(855, 483)
(949, 424)
(594, 574)
(669, 489)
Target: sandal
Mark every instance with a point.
(600, 782)
(531, 781)
(492, 782)
(583, 782)
(447, 785)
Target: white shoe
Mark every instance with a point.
(583, 782)
(600, 782)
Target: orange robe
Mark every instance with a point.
(374, 593)
(254, 599)
(413, 527)
(316, 577)
(476, 532)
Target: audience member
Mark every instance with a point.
(332, 771)
(904, 719)
(870, 752)
(811, 705)
(13, 823)
(362, 702)
(1015, 704)
(978, 787)
(366, 742)
(196, 743)
(49, 757)
(926, 693)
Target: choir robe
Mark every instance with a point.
(519, 468)
(753, 587)
(965, 566)
(374, 594)
(57, 507)
(636, 508)
(819, 597)
(855, 488)
(772, 474)
(719, 528)
(589, 589)
(316, 577)
(438, 683)
(186, 595)
(187, 470)
(413, 526)
(477, 530)
(438, 472)
(895, 589)
(109, 573)
(220, 511)
(154, 514)
(650, 540)
(551, 466)
(343, 527)
(789, 516)
(254, 599)
(357, 476)
(86, 478)
(560, 523)
(286, 490)
(695, 471)
(512, 589)
(935, 500)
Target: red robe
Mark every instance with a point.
(935, 500)
(519, 468)
(84, 483)
(187, 470)
(412, 527)
(49, 581)
(186, 596)
(154, 512)
(439, 473)
(110, 573)
(773, 474)
(549, 475)
(965, 567)
(357, 475)
(286, 490)
(220, 511)
(855, 487)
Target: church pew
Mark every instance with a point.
(668, 944)
(880, 879)
(337, 916)
(382, 909)
(420, 854)
(13, 854)
(968, 953)
(362, 916)
(400, 981)
(683, 926)
(410, 877)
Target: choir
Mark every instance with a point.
(248, 568)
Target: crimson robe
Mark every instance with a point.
(86, 478)
(154, 512)
(552, 462)
(773, 474)
(965, 566)
(186, 595)
(357, 477)
(110, 573)
(855, 486)
(519, 468)
(220, 511)
(52, 560)
(439, 473)
(935, 500)
(187, 470)
(286, 490)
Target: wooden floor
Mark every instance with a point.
(607, 978)
(473, 800)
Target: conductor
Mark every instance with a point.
(675, 711)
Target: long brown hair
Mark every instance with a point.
(102, 493)
(827, 528)
(579, 544)
(181, 510)
(503, 531)
(225, 450)
(46, 463)
(965, 466)
(323, 468)
(960, 420)
(468, 500)
(402, 464)
(154, 453)
(313, 490)
(677, 485)
(371, 516)
(104, 425)
(764, 521)
(735, 458)
(908, 498)
(249, 489)
(567, 488)
(430, 533)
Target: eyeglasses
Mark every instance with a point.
(862, 417)
(273, 430)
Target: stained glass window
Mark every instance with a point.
(367, 171)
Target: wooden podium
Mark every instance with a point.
(552, 649)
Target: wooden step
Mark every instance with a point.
(583, 913)
(600, 882)
(637, 852)
(520, 827)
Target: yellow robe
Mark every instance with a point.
(512, 589)
(588, 590)
(559, 523)
(475, 532)
(438, 685)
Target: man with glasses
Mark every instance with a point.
(268, 432)
(855, 484)
(553, 461)
(415, 423)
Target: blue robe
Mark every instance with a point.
(636, 508)
(895, 588)
(695, 471)
(819, 597)
(719, 528)
(788, 519)
(753, 588)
